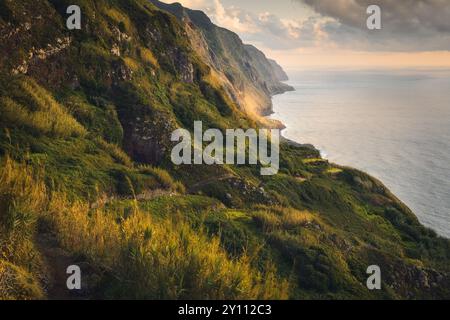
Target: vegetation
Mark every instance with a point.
(86, 179)
(139, 256)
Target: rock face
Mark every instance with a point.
(141, 137)
(269, 71)
(279, 73)
(251, 79)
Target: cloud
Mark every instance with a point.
(193, 4)
(264, 28)
(399, 16)
(289, 33)
(267, 29)
(232, 18)
(407, 25)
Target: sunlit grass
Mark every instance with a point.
(148, 257)
(313, 160)
(333, 170)
(148, 56)
(38, 111)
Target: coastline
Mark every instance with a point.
(323, 155)
(278, 124)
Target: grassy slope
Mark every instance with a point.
(219, 232)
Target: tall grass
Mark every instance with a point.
(16, 283)
(159, 259)
(115, 151)
(22, 198)
(279, 218)
(34, 108)
(163, 177)
(148, 56)
(144, 256)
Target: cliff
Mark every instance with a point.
(86, 178)
(248, 76)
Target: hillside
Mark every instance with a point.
(86, 177)
(246, 74)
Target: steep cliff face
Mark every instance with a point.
(270, 71)
(86, 178)
(250, 78)
(278, 71)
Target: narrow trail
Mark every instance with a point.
(144, 196)
(56, 261)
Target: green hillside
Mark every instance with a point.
(86, 177)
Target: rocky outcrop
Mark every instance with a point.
(37, 55)
(142, 136)
(278, 71)
(271, 73)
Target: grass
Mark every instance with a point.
(148, 57)
(279, 218)
(119, 18)
(18, 284)
(116, 152)
(35, 109)
(147, 257)
(333, 170)
(21, 202)
(163, 177)
(313, 160)
(308, 232)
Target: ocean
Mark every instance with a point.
(392, 124)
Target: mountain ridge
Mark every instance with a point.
(255, 77)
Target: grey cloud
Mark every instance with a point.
(278, 34)
(406, 24)
(399, 15)
(266, 28)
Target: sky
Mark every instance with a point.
(334, 33)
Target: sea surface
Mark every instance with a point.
(392, 124)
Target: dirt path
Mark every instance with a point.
(56, 261)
